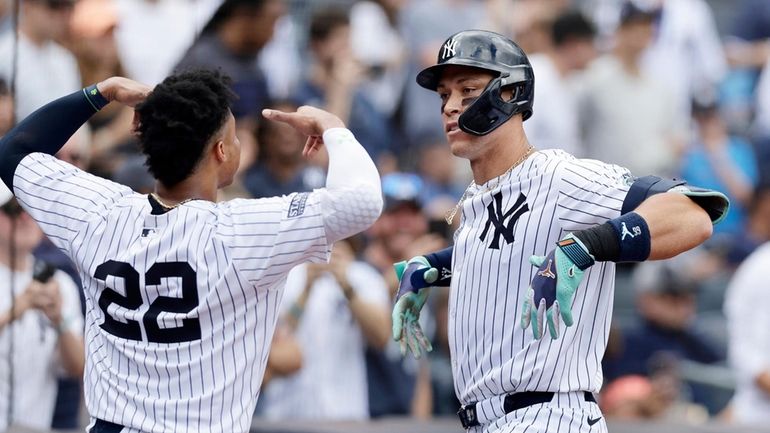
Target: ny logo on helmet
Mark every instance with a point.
(449, 49)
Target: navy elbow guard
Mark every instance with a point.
(713, 202)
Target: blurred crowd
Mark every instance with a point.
(652, 85)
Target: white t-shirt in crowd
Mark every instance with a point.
(44, 72)
(749, 336)
(332, 381)
(554, 122)
(36, 363)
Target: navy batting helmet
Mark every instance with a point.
(491, 52)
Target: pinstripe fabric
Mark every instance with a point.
(239, 251)
(491, 354)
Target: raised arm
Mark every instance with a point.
(47, 129)
(352, 199)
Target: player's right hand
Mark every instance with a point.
(415, 277)
(549, 297)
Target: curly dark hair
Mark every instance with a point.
(179, 118)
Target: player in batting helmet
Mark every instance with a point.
(499, 55)
(572, 219)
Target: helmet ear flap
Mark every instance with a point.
(489, 110)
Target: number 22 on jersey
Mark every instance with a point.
(132, 300)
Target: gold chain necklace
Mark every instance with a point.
(166, 206)
(466, 195)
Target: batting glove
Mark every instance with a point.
(549, 298)
(415, 277)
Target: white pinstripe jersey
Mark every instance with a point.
(546, 197)
(181, 306)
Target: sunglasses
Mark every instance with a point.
(12, 209)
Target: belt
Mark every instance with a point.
(102, 426)
(511, 402)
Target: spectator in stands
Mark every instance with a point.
(761, 127)
(532, 25)
(666, 303)
(628, 118)
(285, 357)
(686, 54)
(5, 16)
(631, 397)
(426, 24)
(399, 385)
(443, 182)
(41, 325)
(403, 227)
(334, 79)
(747, 50)
(376, 23)
(41, 25)
(231, 41)
(93, 43)
(46, 70)
(555, 123)
(749, 342)
(281, 59)
(636, 397)
(720, 161)
(442, 382)
(756, 230)
(335, 310)
(750, 33)
(6, 108)
(280, 168)
(154, 34)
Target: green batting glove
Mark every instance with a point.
(413, 289)
(549, 298)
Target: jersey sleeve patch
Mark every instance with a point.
(297, 205)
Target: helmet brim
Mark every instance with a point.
(430, 76)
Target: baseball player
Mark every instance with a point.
(182, 292)
(570, 218)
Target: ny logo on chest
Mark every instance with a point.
(497, 219)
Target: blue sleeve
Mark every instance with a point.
(47, 129)
(442, 260)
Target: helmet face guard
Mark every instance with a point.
(494, 53)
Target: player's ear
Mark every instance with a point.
(219, 151)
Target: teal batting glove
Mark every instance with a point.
(415, 277)
(549, 298)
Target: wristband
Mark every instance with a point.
(622, 239)
(633, 236)
(95, 97)
(442, 261)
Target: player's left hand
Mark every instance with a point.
(123, 90)
(549, 298)
(309, 121)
